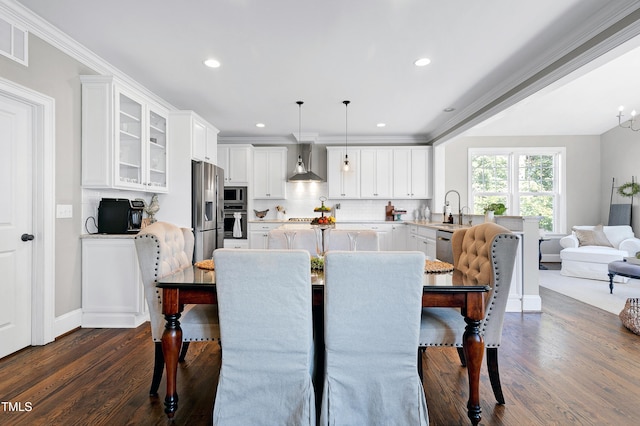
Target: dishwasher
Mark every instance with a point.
(444, 251)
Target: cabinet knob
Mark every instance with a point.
(27, 237)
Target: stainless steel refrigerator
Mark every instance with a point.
(207, 209)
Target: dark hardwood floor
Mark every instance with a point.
(571, 364)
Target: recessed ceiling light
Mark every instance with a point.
(381, 124)
(260, 125)
(450, 109)
(422, 62)
(212, 63)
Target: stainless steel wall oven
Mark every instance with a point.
(235, 201)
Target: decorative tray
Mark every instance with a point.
(206, 264)
(437, 267)
(632, 260)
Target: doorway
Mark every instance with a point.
(27, 131)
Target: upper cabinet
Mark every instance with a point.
(124, 138)
(189, 127)
(269, 172)
(375, 172)
(412, 172)
(236, 162)
(341, 184)
(380, 172)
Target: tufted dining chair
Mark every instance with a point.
(163, 249)
(482, 254)
(372, 324)
(264, 303)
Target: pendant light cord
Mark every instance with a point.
(346, 125)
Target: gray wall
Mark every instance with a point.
(584, 195)
(620, 157)
(55, 74)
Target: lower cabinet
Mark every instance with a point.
(422, 239)
(112, 290)
(236, 243)
(259, 234)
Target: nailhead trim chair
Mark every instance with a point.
(483, 254)
(163, 249)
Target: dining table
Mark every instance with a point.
(194, 285)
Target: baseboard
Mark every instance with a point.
(531, 303)
(551, 258)
(67, 322)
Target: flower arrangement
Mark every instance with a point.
(629, 189)
(281, 209)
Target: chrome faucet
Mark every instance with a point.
(459, 206)
(468, 213)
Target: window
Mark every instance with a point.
(528, 181)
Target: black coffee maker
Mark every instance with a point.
(120, 216)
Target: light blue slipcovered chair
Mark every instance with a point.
(264, 304)
(372, 323)
(483, 254)
(163, 249)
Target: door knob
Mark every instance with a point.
(27, 237)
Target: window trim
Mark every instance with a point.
(560, 214)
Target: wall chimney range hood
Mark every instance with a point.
(308, 176)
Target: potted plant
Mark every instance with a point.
(497, 208)
(493, 209)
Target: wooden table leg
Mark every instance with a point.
(473, 346)
(171, 342)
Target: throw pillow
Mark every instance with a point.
(595, 237)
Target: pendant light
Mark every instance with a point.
(299, 168)
(345, 164)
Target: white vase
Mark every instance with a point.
(489, 216)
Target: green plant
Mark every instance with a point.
(497, 208)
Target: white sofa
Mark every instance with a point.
(590, 261)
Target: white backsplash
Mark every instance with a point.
(302, 198)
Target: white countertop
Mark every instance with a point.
(107, 236)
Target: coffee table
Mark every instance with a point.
(622, 268)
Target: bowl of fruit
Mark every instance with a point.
(324, 221)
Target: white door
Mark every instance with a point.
(15, 220)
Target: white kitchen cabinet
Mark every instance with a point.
(385, 241)
(112, 289)
(399, 235)
(235, 243)
(236, 162)
(269, 173)
(376, 172)
(188, 127)
(259, 234)
(124, 138)
(422, 239)
(342, 184)
(412, 172)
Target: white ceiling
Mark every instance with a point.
(274, 53)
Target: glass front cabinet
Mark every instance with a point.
(124, 138)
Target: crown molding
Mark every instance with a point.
(617, 23)
(61, 41)
(326, 140)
